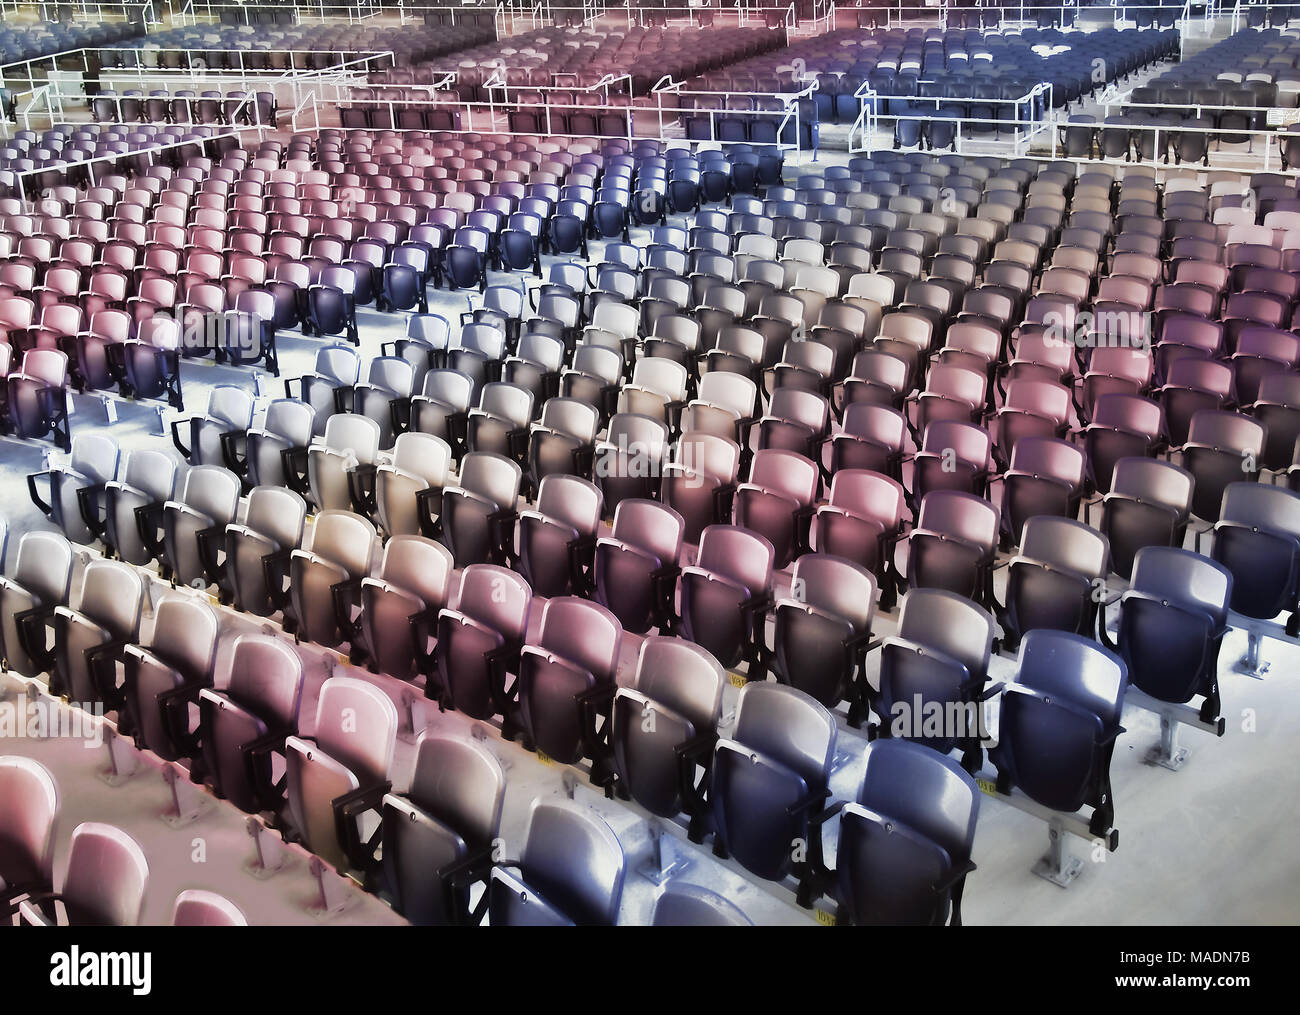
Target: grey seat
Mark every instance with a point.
(338, 368)
(341, 549)
(445, 824)
(1053, 581)
(94, 463)
(699, 483)
(242, 723)
(286, 430)
(629, 462)
(146, 481)
(1148, 505)
(939, 656)
(103, 885)
(557, 539)
(823, 629)
(272, 527)
(399, 606)
(905, 842)
(340, 773)
(39, 580)
(566, 677)
(230, 410)
(674, 700)
(161, 679)
(351, 443)
(209, 500)
(770, 777)
(29, 799)
(686, 905)
(726, 594)
(195, 907)
(479, 639)
(478, 513)
(777, 501)
(570, 872)
(106, 616)
(385, 396)
(636, 566)
(408, 488)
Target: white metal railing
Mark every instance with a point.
(873, 110)
(789, 123)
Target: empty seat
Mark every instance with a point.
(1058, 726)
(569, 873)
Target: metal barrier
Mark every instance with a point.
(1025, 130)
(788, 116)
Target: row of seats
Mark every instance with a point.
(216, 47)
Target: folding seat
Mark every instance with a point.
(331, 305)
(777, 501)
(1174, 616)
(953, 544)
(37, 397)
(1260, 352)
(107, 615)
(162, 678)
(230, 411)
(103, 885)
(385, 396)
(478, 641)
(566, 679)
(334, 777)
(1149, 504)
(93, 463)
(1193, 384)
(38, 583)
(796, 420)
(209, 500)
(478, 514)
(725, 596)
(938, 658)
(562, 442)
(570, 871)
(340, 550)
(147, 481)
(1275, 407)
(241, 726)
(1052, 582)
(822, 630)
(724, 406)
(349, 449)
(1059, 722)
(272, 527)
(440, 827)
(770, 777)
(953, 456)
(686, 905)
(904, 845)
(1221, 448)
(398, 606)
(1032, 408)
(30, 799)
(498, 424)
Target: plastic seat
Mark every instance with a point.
(1059, 722)
(337, 775)
(446, 822)
(770, 777)
(569, 873)
(242, 724)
